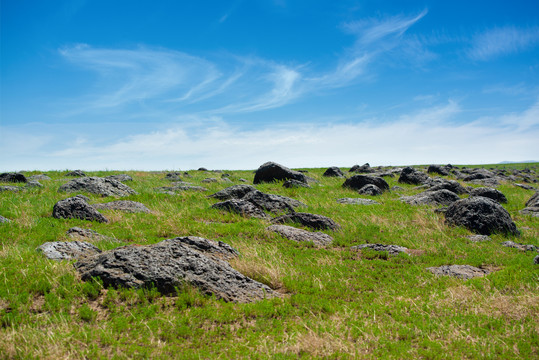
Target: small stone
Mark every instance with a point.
(62, 250)
(123, 205)
(295, 234)
(357, 201)
(519, 246)
(460, 271)
(478, 238)
(391, 249)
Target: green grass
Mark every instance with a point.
(336, 303)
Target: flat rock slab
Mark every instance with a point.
(313, 221)
(10, 188)
(168, 265)
(437, 197)
(391, 249)
(481, 215)
(80, 233)
(519, 246)
(123, 205)
(243, 207)
(97, 185)
(357, 201)
(459, 271)
(525, 186)
(292, 233)
(39, 177)
(478, 238)
(66, 250)
(77, 208)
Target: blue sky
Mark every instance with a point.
(159, 85)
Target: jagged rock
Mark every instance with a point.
(243, 207)
(412, 176)
(76, 173)
(97, 185)
(295, 184)
(292, 233)
(270, 171)
(11, 188)
(76, 208)
(120, 177)
(532, 206)
(168, 265)
(534, 200)
(39, 177)
(438, 169)
(481, 215)
(451, 185)
(123, 205)
(4, 220)
(524, 186)
(13, 177)
(391, 249)
(365, 168)
(356, 182)
(478, 238)
(478, 174)
(519, 246)
(172, 190)
(333, 172)
(313, 221)
(66, 250)
(233, 192)
(459, 271)
(357, 201)
(79, 233)
(370, 189)
(438, 197)
(272, 203)
(490, 193)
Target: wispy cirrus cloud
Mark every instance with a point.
(502, 41)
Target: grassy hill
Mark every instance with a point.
(336, 302)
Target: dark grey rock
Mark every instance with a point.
(478, 238)
(202, 169)
(76, 208)
(460, 271)
(13, 177)
(40, 177)
(313, 221)
(168, 265)
(209, 180)
(391, 249)
(4, 220)
(33, 184)
(438, 169)
(412, 176)
(123, 205)
(333, 172)
(356, 182)
(519, 246)
(531, 210)
(295, 184)
(80, 233)
(490, 193)
(357, 201)
(295, 234)
(97, 185)
(243, 207)
(478, 174)
(120, 177)
(490, 182)
(451, 185)
(536, 260)
(66, 250)
(524, 186)
(270, 172)
(233, 192)
(272, 203)
(534, 200)
(76, 173)
(173, 176)
(211, 248)
(370, 189)
(365, 169)
(10, 188)
(438, 197)
(481, 215)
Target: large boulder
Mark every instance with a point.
(438, 197)
(356, 182)
(242, 207)
(39, 177)
(532, 206)
(270, 171)
(481, 215)
(98, 186)
(66, 250)
(272, 203)
(170, 264)
(123, 205)
(412, 176)
(333, 172)
(77, 208)
(490, 193)
(459, 271)
(439, 169)
(13, 177)
(300, 235)
(313, 221)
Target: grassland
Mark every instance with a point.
(336, 303)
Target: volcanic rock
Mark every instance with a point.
(270, 171)
(519, 246)
(451, 185)
(66, 250)
(438, 169)
(391, 249)
(233, 192)
(168, 265)
(481, 215)
(243, 207)
(490, 193)
(313, 221)
(370, 189)
(333, 172)
(459, 271)
(39, 177)
(295, 184)
(413, 176)
(356, 182)
(13, 177)
(97, 185)
(365, 168)
(76, 208)
(4, 220)
(80, 233)
(272, 203)
(120, 177)
(76, 173)
(123, 205)
(292, 233)
(438, 197)
(357, 201)
(11, 188)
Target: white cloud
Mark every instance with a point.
(503, 41)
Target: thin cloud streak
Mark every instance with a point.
(503, 41)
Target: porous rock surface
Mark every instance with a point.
(76, 173)
(478, 238)
(77, 208)
(243, 207)
(437, 197)
(370, 189)
(295, 184)
(292, 233)
(481, 215)
(439, 169)
(80, 233)
(313, 221)
(519, 246)
(168, 265)
(412, 176)
(120, 177)
(233, 192)
(451, 185)
(357, 201)
(365, 168)
(271, 202)
(123, 205)
(97, 185)
(270, 171)
(333, 171)
(391, 249)
(459, 271)
(65, 250)
(13, 177)
(356, 182)
(490, 193)
(532, 206)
